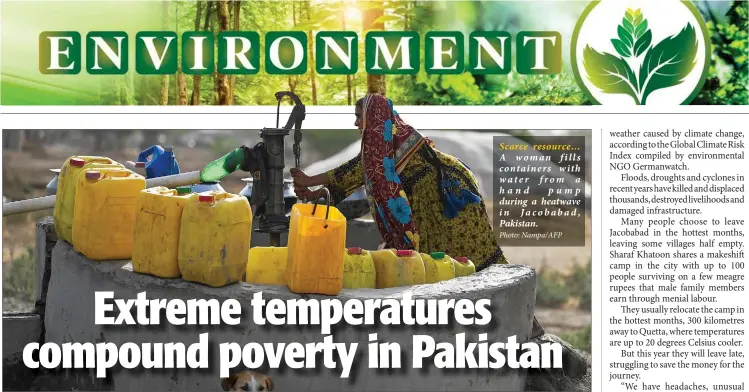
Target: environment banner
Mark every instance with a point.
(332, 52)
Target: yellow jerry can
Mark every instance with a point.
(214, 238)
(156, 237)
(67, 182)
(104, 216)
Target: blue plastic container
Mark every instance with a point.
(159, 161)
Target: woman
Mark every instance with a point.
(420, 197)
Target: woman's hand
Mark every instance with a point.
(304, 193)
(301, 179)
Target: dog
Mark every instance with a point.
(247, 381)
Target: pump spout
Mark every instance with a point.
(222, 167)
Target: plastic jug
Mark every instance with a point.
(214, 238)
(358, 270)
(267, 265)
(104, 216)
(397, 268)
(463, 266)
(207, 187)
(317, 238)
(67, 183)
(438, 267)
(161, 163)
(156, 237)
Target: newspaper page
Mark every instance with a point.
(366, 195)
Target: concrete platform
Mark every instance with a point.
(70, 318)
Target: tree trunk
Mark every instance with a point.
(164, 100)
(182, 87)
(233, 78)
(375, 83)
(222, 83)
(311, 46)
(195, 98)
(196, 78)
(348, 77)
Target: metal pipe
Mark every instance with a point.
(47, 202)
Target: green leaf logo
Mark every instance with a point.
(641, 67)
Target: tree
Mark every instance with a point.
(348, 77)
(181, 83)
(310, 44)
(222, 84)
(233, 78)
(165, 78)
(196, 78)
(372, 21)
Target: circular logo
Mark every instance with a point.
(641, 52)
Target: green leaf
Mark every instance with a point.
(627, 26)
(643, 43)
(638, 20)
(629, 15)
(641, 28)
(625, 37)
(609, 73)
(621, 48)
(669, 62)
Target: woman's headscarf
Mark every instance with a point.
(387, 143)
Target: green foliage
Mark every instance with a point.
(514, 89)
(610, 73)
(580, 281)
(19, 281)
(551, 291)
(555, 289)
(580, 339)
(634, 35)
(729, 73)
(669, 62)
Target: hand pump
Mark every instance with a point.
(274, 221)
(265, 161)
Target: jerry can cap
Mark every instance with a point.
(77, 162)
(403, 252)
(182, 190)
(354, 251)
(206, 198)
(437, 255)
(140, 164)
(93, 175)
(462, 259)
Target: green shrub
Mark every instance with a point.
(580, 339)
(729, 80)
(551, 290)
(19, 281)
(579, 281)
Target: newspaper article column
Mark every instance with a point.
(674, 243)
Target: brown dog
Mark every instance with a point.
(247, 381)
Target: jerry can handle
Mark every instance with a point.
(116, 173)
(145, 154)
(327, 212)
